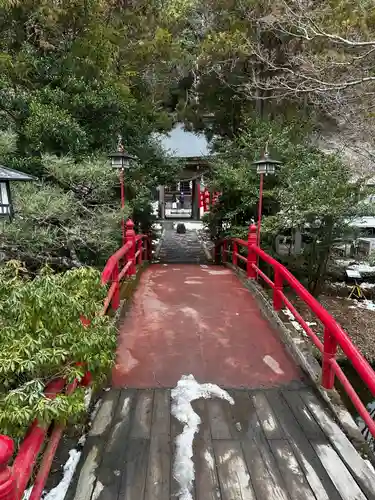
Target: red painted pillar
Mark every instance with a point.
(330, 349)
(130, 236)
(251, 255)
(7, 480)
(148, 243)
(140, 248)
(277, 291)
(116, 296)
(198, 199)
(260, 207)
(224, 256)
(122, 204)
(234, 254)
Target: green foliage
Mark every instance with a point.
(71, 220)
(42, 338)
(313, 192)
(72, 217)
(76, 74)
(235, 176)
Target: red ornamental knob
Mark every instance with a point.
(86, 379)
(7, 481)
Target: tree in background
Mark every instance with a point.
(313, 192)
(74, 75)
(311, 60)
(71, 217)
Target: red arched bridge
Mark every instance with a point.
(212, 396)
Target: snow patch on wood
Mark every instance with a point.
(186, 391)
(59, 492)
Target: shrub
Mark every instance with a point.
(42, 337)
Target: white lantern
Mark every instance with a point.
(8, 175)
(266, 165)
(121, 159)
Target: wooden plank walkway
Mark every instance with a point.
(273, 444)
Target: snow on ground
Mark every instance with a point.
(362, 267)
(88, 396)
(155, 208)
(27, 493)
(342, 284)
(364, 304)
(59, 492)
(186, 391)
(295, 323)
(367, 285)
(343, 262)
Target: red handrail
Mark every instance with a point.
(334, 335)
(14, 480)
(123, 264)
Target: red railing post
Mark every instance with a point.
(329, 353)
(130, 236)
(7, 480)
(251, 255)
(224, 256)
(277, 291)
(148, 245)
(234, 254)
(140, 248)
(116, 295)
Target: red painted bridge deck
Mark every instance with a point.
(200, 320)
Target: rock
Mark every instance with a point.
(181, 229)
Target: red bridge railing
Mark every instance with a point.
(334, 336)
(14, 480)
(123, 264)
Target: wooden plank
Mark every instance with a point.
(103, 418)
(206, 480)
(159, 463)
(133, 481)
(244, 416)
(112, 465)
(267, 417)
(316, 474)
(84, 479)
(141, 426)
(303, 415)
(292, 473)
(341, 477)
(362, 473)
(219, 420)
(264, 473)
(161, 412)
(234, 478)
(87, 475)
